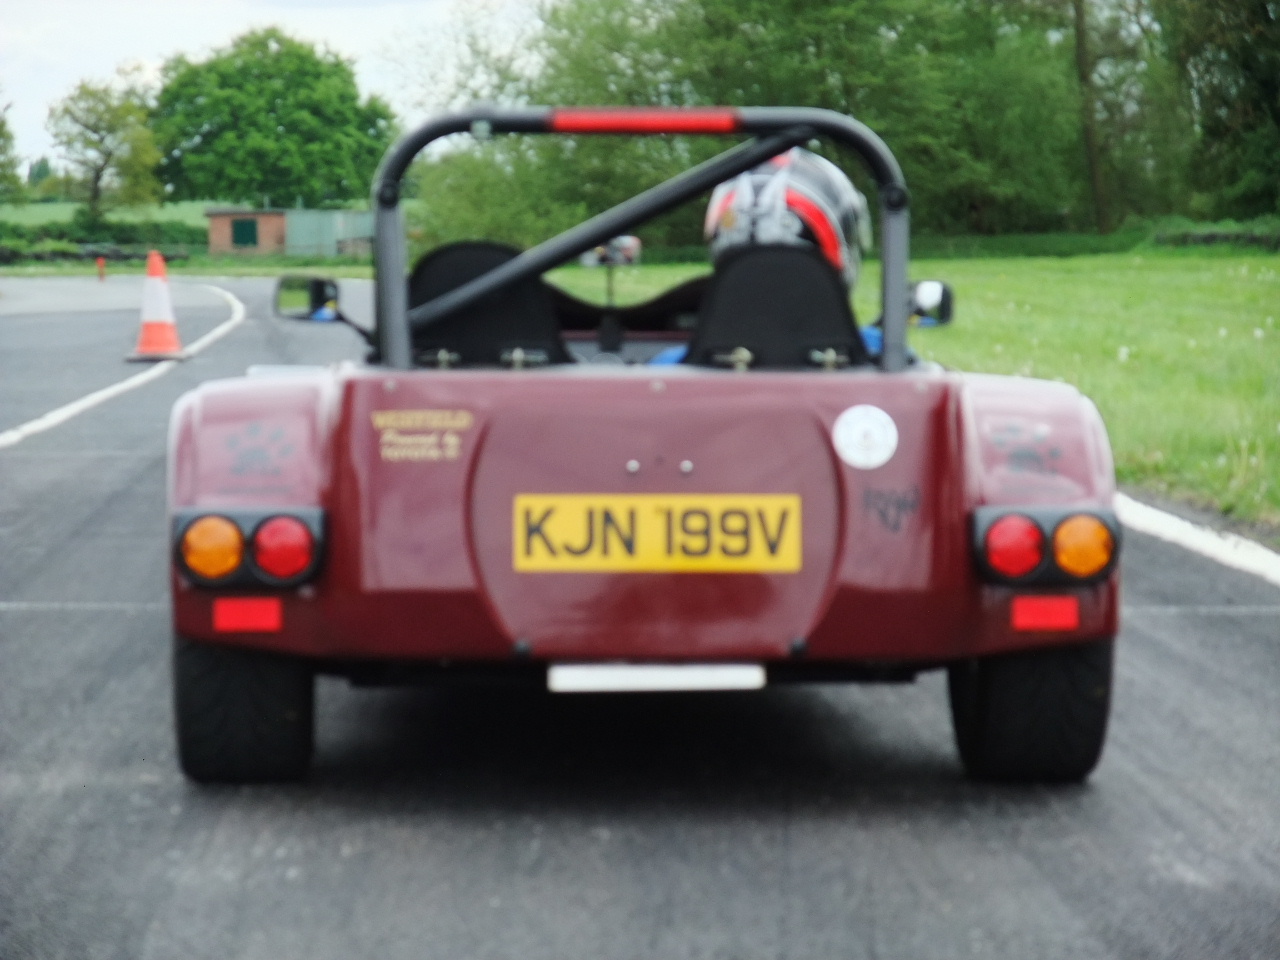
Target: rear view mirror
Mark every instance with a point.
(932, 301)
(307, 298)
(621, 251)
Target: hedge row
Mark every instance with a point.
(83, 238)
(1263, 232)
(81, 230)
(44, 251)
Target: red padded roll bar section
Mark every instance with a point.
(644, 120)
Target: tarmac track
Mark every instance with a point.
(814, 822)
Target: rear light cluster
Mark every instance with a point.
(1045, 546)
(241, 548)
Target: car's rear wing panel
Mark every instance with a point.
(774, 129)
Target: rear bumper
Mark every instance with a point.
(863, 631)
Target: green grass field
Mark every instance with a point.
(31, 214)
(1181, 353)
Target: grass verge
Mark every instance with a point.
(1180, 353)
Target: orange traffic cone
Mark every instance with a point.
(158, 338)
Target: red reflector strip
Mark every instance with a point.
(1046, 613)
(248, 615)
(640, 120)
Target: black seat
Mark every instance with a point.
(516, 326)
(776, 307)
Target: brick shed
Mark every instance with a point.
(246, 231)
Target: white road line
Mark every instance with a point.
(1228, 549)
(77, 606)
(61, 415)
(220, 331)
(64, 413)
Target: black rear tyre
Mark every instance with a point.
(1033, 716)
(241, 716)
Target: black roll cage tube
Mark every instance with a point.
(774, 130)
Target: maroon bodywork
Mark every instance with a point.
(416, 559)
(473, 501)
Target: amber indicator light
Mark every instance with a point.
(212, 547)
(1014, 545)
(283, 547)
(1082, 545)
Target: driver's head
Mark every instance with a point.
(798, 198)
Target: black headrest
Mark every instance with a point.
(779, 307)
(520, 317)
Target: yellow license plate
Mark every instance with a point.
(656, 533)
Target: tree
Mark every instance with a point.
(972, 104)
(102, 130)
(268, 119)
(10, 183)
(1007, 115)
(1085, 67)
(497, 191)
(1132, 121)
(1136, 120)
(46, 185)
(1228, 52)
(38, 172)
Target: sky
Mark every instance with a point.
(48, 46)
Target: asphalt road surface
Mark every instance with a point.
(812, 822)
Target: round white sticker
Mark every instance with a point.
(865, 437)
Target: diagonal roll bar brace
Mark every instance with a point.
(601, 228)
(776, 129)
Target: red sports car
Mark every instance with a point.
(782, 504)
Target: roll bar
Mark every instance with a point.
(774, 129)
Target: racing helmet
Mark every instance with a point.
(797, 198)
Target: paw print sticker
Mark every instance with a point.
(259, 450)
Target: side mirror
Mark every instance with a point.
(307, 298)
(932, 301)
(621, 251)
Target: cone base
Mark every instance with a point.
(157, 340)
(143, 357)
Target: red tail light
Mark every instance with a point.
(283, 547)
(1014, 546)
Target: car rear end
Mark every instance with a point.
(641, 527)
(632, 529)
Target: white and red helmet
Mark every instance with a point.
(798, 198)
